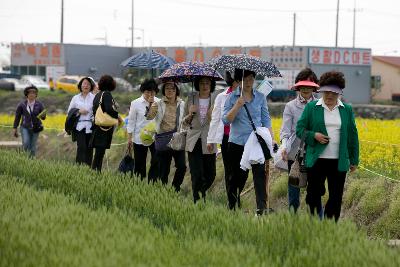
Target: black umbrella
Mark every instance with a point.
(245, 62)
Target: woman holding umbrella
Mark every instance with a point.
(168, 113)
(235, 115)
(198, 110)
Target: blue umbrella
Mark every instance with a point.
(188, 71)
(148, 60)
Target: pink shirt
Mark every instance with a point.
(227, 128)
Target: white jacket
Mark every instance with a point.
(253, 153)
(216, 131)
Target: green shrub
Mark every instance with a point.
(374, 201)
(279, 187)
(389, 224)
(355, 190)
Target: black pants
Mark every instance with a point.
(98, 158)
(84, 153)
(226, 161)
(140, 155)
(165, 158)
(202, 170)
(322, 169)
(238, 179)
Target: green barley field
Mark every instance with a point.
(58, 214)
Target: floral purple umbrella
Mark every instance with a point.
(185, 72)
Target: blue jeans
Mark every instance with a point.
(293, 192)
(29, 140)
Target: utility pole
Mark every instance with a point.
(62, 22)
(337, 23)
(132, 28)
(354, 25)
(294, 29)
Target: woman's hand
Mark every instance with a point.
(210, 147)
(193, 109)
(353, 168)
(284, 154)
(240, 102)
(15, 132)
(322, 139)
(120, 121)
(83, 111)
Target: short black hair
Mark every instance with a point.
(177, 90)
(30, 87)
(228, 78)
(306, 74)
(333, 78)
(107, 83)
(197, 82)
(92, 85)
(149, 85)
(239, 75)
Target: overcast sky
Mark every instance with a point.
(211, 23)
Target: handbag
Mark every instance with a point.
(37, 126)
(279, 163)
(263, 144)
(102, 118)
(178, 140)
(298, 172)
(162, 139)
(127, 163)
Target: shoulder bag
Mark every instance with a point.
(162, 139)
(102, 118)
(178, 140)
(298, 172)
(263, 144)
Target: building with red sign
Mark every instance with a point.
(50, 60)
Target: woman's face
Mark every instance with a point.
(205, 86)
(147, 94)
(248, 82)
(32, 95)
(330, 98)
(86, 86)
(306, 92)
(170, 91)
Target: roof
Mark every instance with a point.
(395, 61)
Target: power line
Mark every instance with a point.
(252, 9)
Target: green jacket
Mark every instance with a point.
(313, 121)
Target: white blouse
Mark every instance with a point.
(333, 124)
(137, 118)
(80, 102)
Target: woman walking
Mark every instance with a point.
(198, 110)
(218, 132)
(235, 115)
(168, 115)
(31, 112)
(332, 144)
(102, 136)
(137, 121)
(82, 133)
(306, 84)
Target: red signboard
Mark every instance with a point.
(339, 56)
